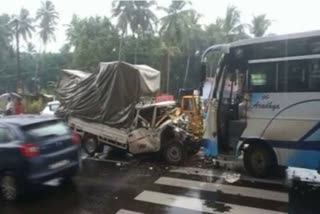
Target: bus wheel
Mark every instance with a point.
(259, 160)
(174, 153)
(91, 145)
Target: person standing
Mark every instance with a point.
(18, 107)
(9, 107)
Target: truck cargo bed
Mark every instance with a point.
(105, 134)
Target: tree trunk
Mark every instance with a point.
(135, 50)
(38, 66)
(120, 47)
(187, 71)
(36, 73)
(168, 71)
(20, 81)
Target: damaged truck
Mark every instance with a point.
(114, 107)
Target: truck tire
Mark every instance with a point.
(91, 145)
(174, 153)
(259, 160)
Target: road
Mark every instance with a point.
(137, 187)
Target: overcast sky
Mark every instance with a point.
(288, 15)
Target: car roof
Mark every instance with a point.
(27, 119)
(54, 102)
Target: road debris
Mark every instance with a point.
(231, 177)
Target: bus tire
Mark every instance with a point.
(259, 160)
(91, 145)
(174, 153)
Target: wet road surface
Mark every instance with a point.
(151, 187)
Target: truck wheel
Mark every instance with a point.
(174, 153)
(91, 145)
(259, 160)
(9, 187)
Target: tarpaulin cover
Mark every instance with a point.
(108, 96)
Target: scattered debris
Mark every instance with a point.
(231, 177)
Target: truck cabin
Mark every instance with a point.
(152, 115)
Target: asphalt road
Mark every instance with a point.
(152, 187)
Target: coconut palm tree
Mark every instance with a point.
(192, 33)
(173, 24)
(48, 17)
(259, 25)
(172, 30)
(123, 11)
(170, 51)
(4, 31)
(143, 21)
(136, 16)
(232, 27)
(21, 25)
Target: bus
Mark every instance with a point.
(264, 107)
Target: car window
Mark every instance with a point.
(187, 105)
(5, 135)
(53, 107)
(51, 128)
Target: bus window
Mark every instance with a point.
(262, 77)
(282, 77)
(297, 71)
(314, 75)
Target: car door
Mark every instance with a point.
(6, 139)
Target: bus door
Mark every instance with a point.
(230, 125)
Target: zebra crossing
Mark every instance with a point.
(195, 190)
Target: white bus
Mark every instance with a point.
(266, 101)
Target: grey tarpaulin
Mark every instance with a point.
(108, 96)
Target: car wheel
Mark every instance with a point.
(91, 145)
(9, 187)
(174, 153)
(259, 160)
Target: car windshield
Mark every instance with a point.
(45, 129)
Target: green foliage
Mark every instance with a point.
(260, 25)
(22, 25)
(48, 20)
(94, 40)
(172, 44)
(33, 107)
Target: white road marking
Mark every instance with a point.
(215, 173)
(108, 161)
(197, 204)
(228, 189)
(122, 211)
